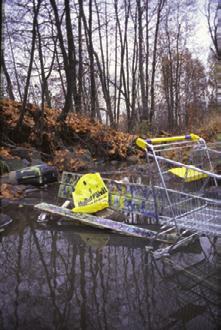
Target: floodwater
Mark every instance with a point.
(63, 276)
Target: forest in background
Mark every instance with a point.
(125, 63)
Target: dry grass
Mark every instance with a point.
(210, 127)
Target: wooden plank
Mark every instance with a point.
(97, 222)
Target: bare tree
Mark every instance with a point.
(69, 57)
(8, 79)
(36, 7)
(80, 64)
(45, 93)
(160, 7)
(142, 78)
(123, 57)
(13, 60)
(211, 15)
(103, 65)
(1, 50)
(89, 41)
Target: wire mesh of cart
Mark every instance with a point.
(214, 150)
(186, 186)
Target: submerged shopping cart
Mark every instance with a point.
(186, 188)
(175, 200)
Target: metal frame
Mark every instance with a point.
(194, 212)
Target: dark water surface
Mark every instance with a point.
(69, 277)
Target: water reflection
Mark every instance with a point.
(73, 278)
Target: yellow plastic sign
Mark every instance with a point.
(90, 195)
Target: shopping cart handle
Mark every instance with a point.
(141, 143)
(144, 143)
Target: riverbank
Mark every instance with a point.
(77, 145)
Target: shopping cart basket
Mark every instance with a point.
(181, 190)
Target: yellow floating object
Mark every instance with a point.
(90, 195)
(188, 175)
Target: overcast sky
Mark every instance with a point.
(201, 40)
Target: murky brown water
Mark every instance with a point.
(69, 277)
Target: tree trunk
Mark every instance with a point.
(27, 84)
(123, 44)
(104, 69)
(8, 79)
(91, 60)
(14, 63)
(71, 57)
(144, 106)
(154, 61)
(67, 58)
(80, 65)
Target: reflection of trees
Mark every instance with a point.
(53, 276)
(51, 282)
(18, 278)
